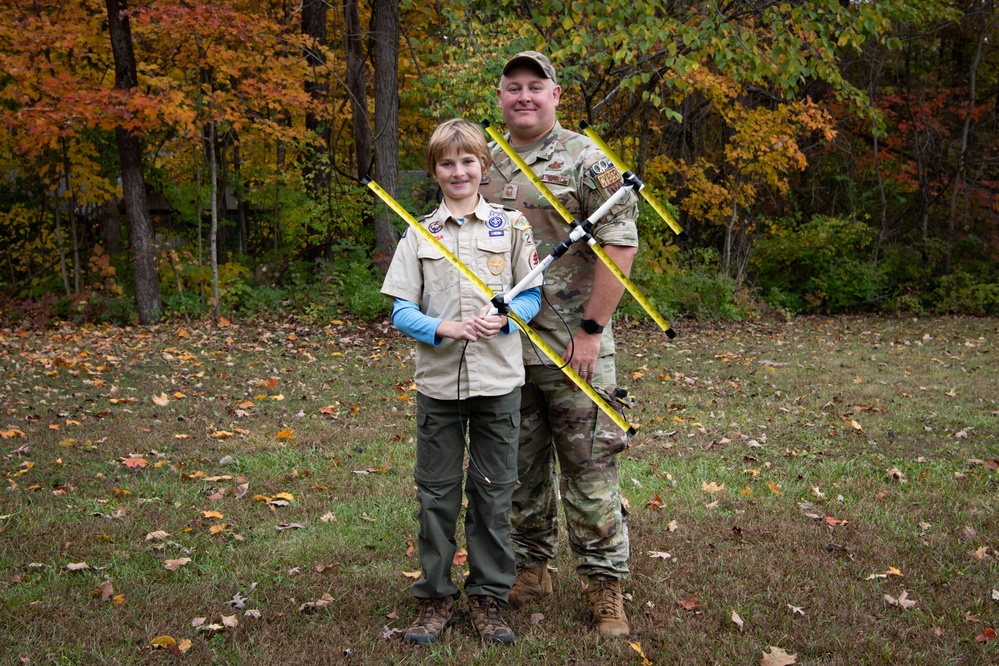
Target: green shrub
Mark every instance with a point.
(824, 264)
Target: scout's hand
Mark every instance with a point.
(582, 356)
(488, 327)
(459, 330)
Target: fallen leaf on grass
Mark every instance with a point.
(164, 643)
(212, 515)
(460, 557)
(777, 657)
(537, 618)
(796, 609)
(105, 590)
(162, 399)
(637, 647)
(903, 601)
(118, 600)
(158, 535)
(895, 476)
(690, 603)
(230, 621)
(673, 526)
(412, 574)
(982, 552)
(995, 595)
(774, 488)
(173, 565)
(655, 503)
(327, 517)
(313, 606)
(738, 621)
(287, 433)
(288, 526)
(78, 566)
(712, 487)
(659, 554)
(135, 463)
(986, 636)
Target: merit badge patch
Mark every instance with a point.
(554, 179)
(509, 192)
(496, 263)
(496, 220)
(435, 227)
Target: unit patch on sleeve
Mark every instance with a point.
(521, 223)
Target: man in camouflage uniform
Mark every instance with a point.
(558, 420)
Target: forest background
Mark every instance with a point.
(171, 158)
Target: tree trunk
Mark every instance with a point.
(147, 282)
(386, 57)
(214, 230)
(357, 89)
(318, 166)
(239, 190)
(962, 159)
(62, 247)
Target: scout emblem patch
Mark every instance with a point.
(495, 220)
(496, 264)
(509, 192)
(435, 227)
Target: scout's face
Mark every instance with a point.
(528, 101)
(458, 173)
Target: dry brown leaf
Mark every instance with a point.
(212, 515)
(158, 535)
(777, 657)
(105, 589)
(655, 503)
(77, 566)
(163, 642)
(738, 621)
(903, 601)
(162, 399)
(135, 463)
(173, 565)
(412, 574)
(118, 600)
(691, 602)
(712, 487)
(287, 433)
(313, 606)
(986, 636)
(230, 621)
(895, 476)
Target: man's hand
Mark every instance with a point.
(582, 356)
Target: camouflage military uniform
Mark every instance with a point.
(557, 421)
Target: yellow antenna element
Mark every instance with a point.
(484, 288)
(667, 216)
(567, 216)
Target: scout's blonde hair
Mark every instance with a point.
(460, 135)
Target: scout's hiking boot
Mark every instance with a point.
(434, 615)
(486, 619)
(531, 584)
(607, 607)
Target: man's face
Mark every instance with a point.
(528, 101)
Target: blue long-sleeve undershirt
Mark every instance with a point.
(406, 316)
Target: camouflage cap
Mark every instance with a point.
(535, 59)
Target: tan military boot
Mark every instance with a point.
(531, 584)
(607, 607)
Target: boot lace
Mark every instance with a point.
(605, 600)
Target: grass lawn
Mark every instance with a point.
(827, 487)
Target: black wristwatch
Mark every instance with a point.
(590, 326)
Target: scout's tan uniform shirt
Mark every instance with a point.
(498, 246)
(582, 178)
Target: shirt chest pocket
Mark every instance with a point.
(492, 261)
(438, 273)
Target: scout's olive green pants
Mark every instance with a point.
(493, 424)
